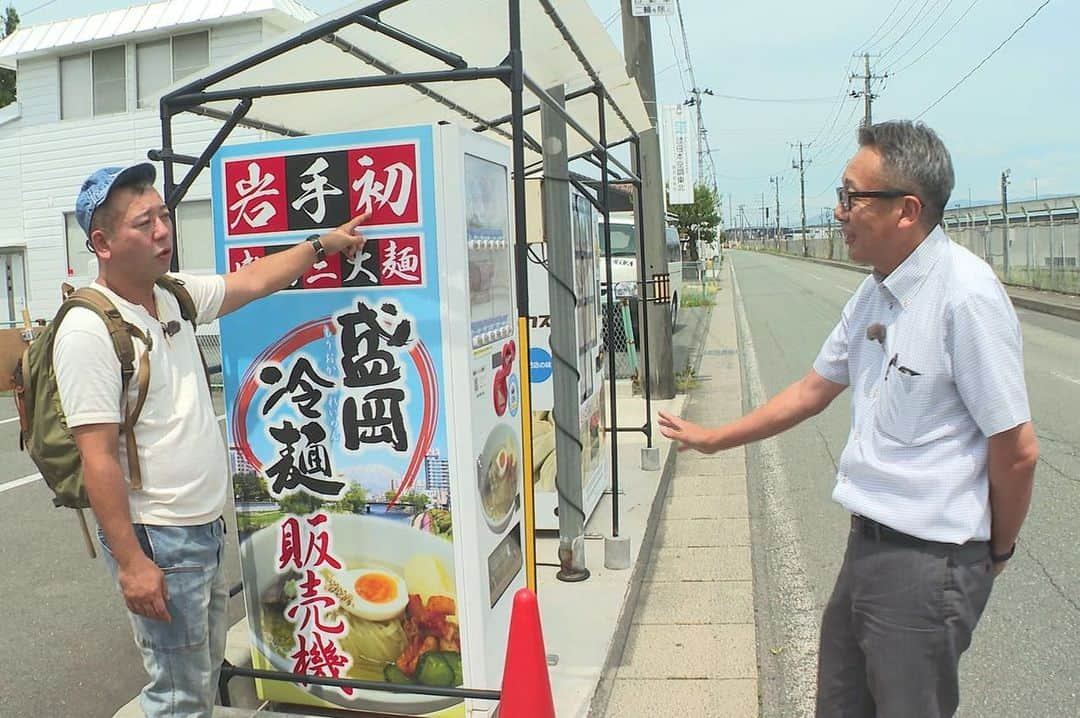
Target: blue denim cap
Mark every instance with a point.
(95, 190)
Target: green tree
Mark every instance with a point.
(7, 77)
(417, 500)
(300, 503)
(353, 500)
(697, 222)
(249, 486)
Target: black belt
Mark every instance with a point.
(880, 532)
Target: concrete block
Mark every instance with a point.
(730, 698)
(672, 651)
(696, 602)
(703, 532)
(717, 563)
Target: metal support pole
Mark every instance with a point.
(167, 185)
(609, 305)
(564, 344)
(521, 272)
(643, 303)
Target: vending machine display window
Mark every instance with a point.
(490, 258)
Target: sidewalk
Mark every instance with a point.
(691, 648)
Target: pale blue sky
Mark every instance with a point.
(1017, 111)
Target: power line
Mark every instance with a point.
(784, 100)
(917, 17)
(873, 35)
(938, 41)
(925, 32)
(984, 60)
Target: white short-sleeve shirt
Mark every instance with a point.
(947, 374)
(181, 451)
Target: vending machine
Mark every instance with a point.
(595, 474)
(374, 414)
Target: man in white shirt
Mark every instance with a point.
(164, 541)
(938, 468)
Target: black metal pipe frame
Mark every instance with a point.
(450, 58)
(190, 98)
(609, 302)
(406, 688)
(388, 69)
(643, 302)
(318, 32)
(493, 124)
(584, 62)
(561, 111)
(204, 159)
(499, 72)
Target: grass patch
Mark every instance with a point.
(251, 522)
(685, 379)
(696, 300)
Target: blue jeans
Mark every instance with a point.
(182, 657)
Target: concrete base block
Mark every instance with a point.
(617, 553)
(650, 459)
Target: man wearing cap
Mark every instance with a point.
(939, 465)
(164, 542)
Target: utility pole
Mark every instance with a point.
(637, 47)
(867, 95)
(801, 166)
(776, 185)
(1005, 220)
(764, 215)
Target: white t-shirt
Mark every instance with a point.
(181, 451)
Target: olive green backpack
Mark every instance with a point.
(44, 432)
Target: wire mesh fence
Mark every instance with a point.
(1040, 255)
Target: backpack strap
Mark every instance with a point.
(176, 288)
(188, 311)
(121, 333)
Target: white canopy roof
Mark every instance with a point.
(477, 30)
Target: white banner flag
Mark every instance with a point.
(679, 142)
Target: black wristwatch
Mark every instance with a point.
(320, 251)
(1003, 557)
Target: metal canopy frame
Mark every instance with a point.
(192, 97)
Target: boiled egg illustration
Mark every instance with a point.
(373, 594)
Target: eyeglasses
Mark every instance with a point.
(845, 195)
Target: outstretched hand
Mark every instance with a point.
(347, 238)
(686, 434)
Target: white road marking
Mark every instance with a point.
(844, 289)
(811, 274)
(8, 421)
(801, 619)
(1066, 377)
(7, 486)
(19, 482)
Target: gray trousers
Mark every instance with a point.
(901, 614)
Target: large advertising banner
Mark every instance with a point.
(336, 422)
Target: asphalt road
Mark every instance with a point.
(1026, 650)
(66, 649)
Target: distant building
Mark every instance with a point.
(87, 91)
(436, 473)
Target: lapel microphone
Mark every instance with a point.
(170, 327)
(876, 332)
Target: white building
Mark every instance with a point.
(85, 100)
(436, 473)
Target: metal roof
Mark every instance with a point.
(135, 20)
(477, 30)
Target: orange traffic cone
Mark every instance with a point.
(526, 688)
